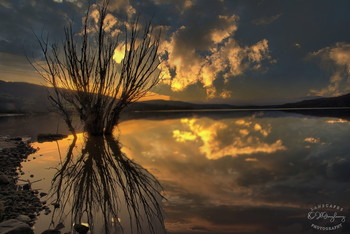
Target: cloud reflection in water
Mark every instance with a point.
(244, 174)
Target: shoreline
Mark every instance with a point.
(19, 204)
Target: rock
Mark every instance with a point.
(15, 139)
(43, 194)
(23, 218)
(59, 226)
(81, 229)
(56, 205)
(14, 226)
(26, 187)
(50, 137)
(4, 179)
(47, 212)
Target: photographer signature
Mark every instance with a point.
(324, 215)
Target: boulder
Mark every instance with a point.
(4, 179)
(43, 194)
(23, 218)
(81, 229)
(14, 226)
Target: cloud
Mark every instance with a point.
(312, 140)
(266, 20)
(17, 68)
(123, 6)
(336, 60)
(5, 3)
(215, 55)
(21, 18)
(226, 94)
(180, 5)
(197, 52)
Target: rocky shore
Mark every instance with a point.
(19, 203)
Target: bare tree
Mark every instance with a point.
(86, 78)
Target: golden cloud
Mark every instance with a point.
(312, 140)
(222, 57)
(337, 60)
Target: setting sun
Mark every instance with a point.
(119, 53)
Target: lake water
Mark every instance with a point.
(242, 172)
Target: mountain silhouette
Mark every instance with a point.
(21, 97)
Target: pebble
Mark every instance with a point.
(26, 187)
(56, 205)
(4, 179)
(17, 201)
(23, 218)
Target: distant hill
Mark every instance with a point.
(340, 101)
(20, 97)
(157, 105)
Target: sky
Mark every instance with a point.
(219, 51)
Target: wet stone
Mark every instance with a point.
(23, 218)
(15, 226)
(26, 187)
(16, 201)
(4, 179)
(81, 229)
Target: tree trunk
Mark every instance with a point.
(94, 125)
(111, 124)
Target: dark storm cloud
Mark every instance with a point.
(266, 20)
(304, 27)
(243, 51)
(21, 19)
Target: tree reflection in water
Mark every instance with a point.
(103, 179)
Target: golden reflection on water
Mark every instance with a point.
(94, 182)
(238, 174)
(233, 174)
(209, 136)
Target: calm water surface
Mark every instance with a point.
(252, 172)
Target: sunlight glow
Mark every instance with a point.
(337, 121)
(119, 53)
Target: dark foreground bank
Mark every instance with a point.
(19, 204)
